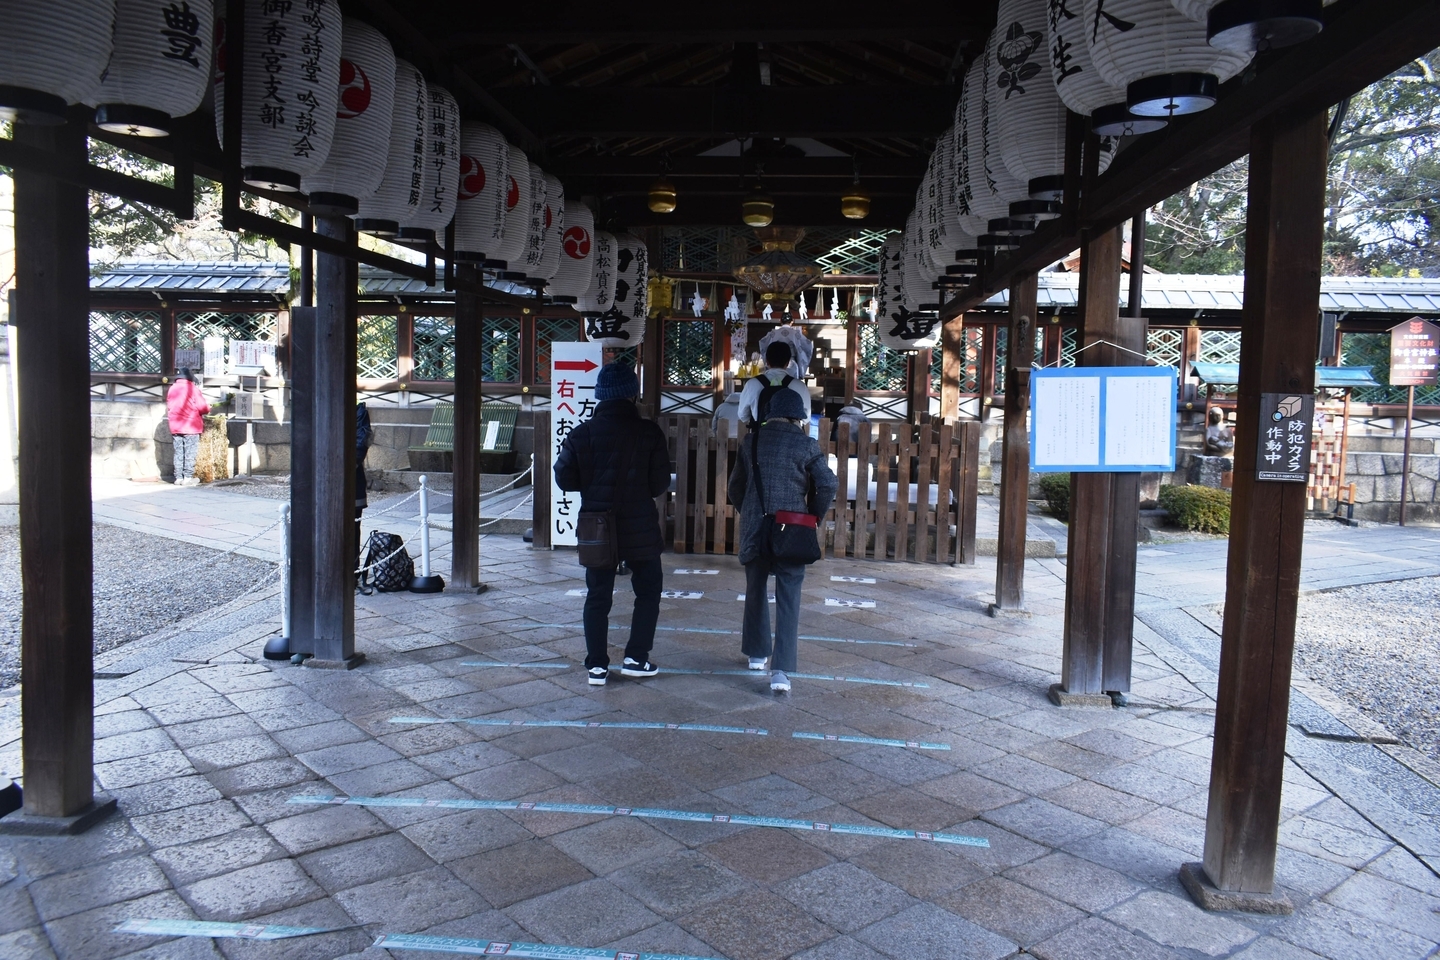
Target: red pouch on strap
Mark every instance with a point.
(799, 519)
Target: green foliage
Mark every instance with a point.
(1055, 488)
(1202, 509)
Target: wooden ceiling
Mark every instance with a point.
(606, 95)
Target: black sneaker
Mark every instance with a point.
(598, 676)
(630, 668)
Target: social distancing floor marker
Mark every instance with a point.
(741, 597)
(736, 633)
(647, 813)
(836, 579)
(207, 928)
(698, 573)
(681, 594)
(523, 666)
(588, 724)
(514, 948)
(799, 676)
(864, 604)
(873, 741)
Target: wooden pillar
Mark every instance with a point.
(167, 340)
(404, 345)
(465, 545)
(1015, 470)
(1104, 507)
(302, 479)
(1280, 321)
(333, 393)
(53, 374)
(650, 366)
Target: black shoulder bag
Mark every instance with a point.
(784, 535)
(597, 534)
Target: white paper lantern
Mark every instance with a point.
(1160, 56)
(511, 248)
(991, 186)
(1029, 115)
(160, 67)
(1248, 25)
(529, 262)
(957, 176)
(439, 195)
(52, 55)
(358, 152)
(554, 228)
(600, 294)
(632, 285)
(484, 183)
(609, 320)
(1079, 83)
(397, 199)
(577, 253)
(890, 285)
(291, 90)
(942, 233)
(904, 325)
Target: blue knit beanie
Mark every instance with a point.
(617, 381)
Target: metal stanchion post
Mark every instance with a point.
(278, 648)
(426, 582)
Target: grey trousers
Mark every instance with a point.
(755, 634)
(187, 445)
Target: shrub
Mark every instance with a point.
(212, 460)
(1202, 509)
(1055, 488)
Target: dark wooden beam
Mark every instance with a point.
(909, 169)
(835, 110)
(653, 21)
(53, 375)
(1015, 469)
(465, 538)
(1283, 241)
(1363, 41)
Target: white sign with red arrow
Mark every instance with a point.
(574, 368)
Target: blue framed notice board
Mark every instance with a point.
(1103, 419)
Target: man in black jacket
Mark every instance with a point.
(620, 462)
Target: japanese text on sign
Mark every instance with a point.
(1414, 354)
(573, 370)
(1285, 423)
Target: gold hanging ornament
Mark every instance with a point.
(661, 197)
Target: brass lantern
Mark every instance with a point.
(778, 272)
(661, 197)
(855, 203)
(757, 209)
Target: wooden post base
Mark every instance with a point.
(349, 663)
(1207, 896)
(1061, 698)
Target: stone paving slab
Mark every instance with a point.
(1089, 814)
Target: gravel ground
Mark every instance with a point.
(141, 585)
(270, 488)
(1378, 646)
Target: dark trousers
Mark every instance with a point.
(646, 578)
(755, 634)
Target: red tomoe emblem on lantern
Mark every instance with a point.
(547, 216)
(354, 91)
(512, 197)
(472, 177)
(576, 242)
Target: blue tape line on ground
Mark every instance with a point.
(649, 813)
(589, 724)
(736, 633)
(873, 741)
(512, 948)
(540, 666)
(207, 928)
(801, 676)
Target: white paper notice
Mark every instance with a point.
(573, 370)
(1067, 422)
(1138, 411)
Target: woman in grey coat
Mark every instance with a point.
(796, 478)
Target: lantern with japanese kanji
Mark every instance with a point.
(599, 298)
(354, 166)
(1160, 56)
(160, 66)
(632, 300)
(577, 254)
(890, 288)
(911, 323)
(554, 228)
(397, 199)
(1077, 81)
(291, 90)
(529, 261)
(1029, 115)
(511, 248)
(52, 55)
(439, 194)
(990, 186)
(484, 186)
(957, 173)
(1247, 25)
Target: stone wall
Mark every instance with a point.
(1374, 465)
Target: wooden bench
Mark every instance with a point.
(497, 435)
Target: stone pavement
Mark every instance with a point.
(1088, 813)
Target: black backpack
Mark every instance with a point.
(388, 564)
(762, 406)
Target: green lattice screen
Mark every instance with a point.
(630, 355)
(879, 367)
(1373, 350)
(500, 350)
(1069, 343)
(1220, 346)
(689, 353)
(434, 349)
(376, 353)
(191, 329)
(1165, 347)
(550, 330)
(125, 341)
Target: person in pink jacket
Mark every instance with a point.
(185, 408)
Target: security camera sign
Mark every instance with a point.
(1285, 422)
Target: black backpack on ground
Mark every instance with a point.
(388, 564)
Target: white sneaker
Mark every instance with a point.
(757, 663)
(779, 683)
(598, 676)
(629, 668)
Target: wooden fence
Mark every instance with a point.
(907, 492)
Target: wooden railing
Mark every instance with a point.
(906, 492)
